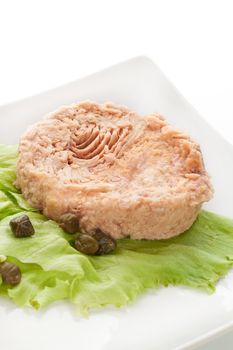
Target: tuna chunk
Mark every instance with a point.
(119, 172)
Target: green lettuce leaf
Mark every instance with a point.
(8, 158)
(53, 270)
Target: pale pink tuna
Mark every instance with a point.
(117, 171)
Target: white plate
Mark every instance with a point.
(168, 318)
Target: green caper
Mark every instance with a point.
(106, 243)
(69, 222)
(10, 273)
(86, 244)
(21, 226)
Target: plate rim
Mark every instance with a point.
(204, 338)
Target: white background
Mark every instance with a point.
(44, 44)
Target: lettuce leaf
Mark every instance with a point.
(53, 270)
(8, 158)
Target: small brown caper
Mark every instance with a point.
(106, 243)
(10, 273)
(21, 226)
(86, 244)
(69, 222)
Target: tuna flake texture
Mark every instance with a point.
(122, 173)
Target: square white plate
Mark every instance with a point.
(168, 318)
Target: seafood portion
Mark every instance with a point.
(118, 172)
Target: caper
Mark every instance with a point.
(69, 222)
(10, 273)
(86, 244)
(21, 226)
(106, 243)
